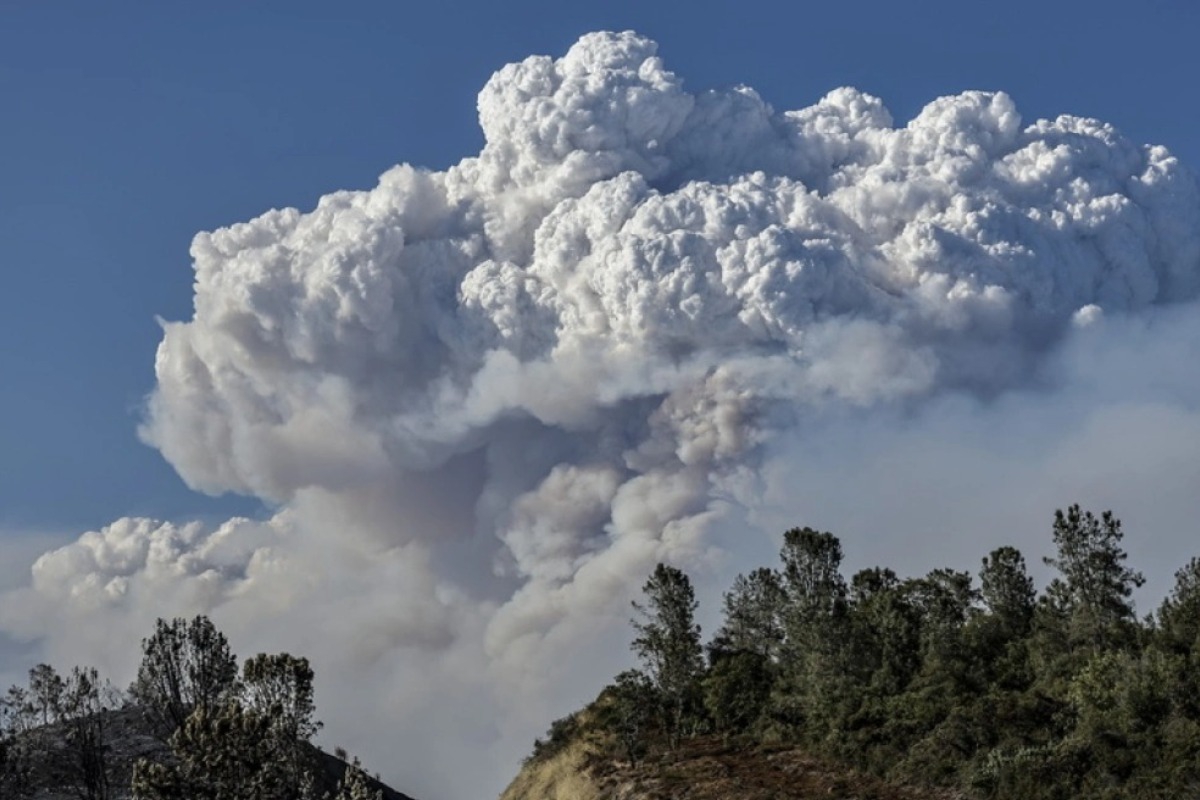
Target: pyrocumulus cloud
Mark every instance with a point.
(486, 400)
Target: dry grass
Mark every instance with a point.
(704, 769)
(564, 776)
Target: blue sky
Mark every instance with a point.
(130, 126)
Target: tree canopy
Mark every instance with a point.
(979, 684)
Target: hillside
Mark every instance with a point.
(129, 739)
(192, 725)
(879, 686)
(705, 768)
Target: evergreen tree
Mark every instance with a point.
(668, 643)
(737, 689)
(754, 611)
(628, 712)
(279, 687)
(1179, 615)
(229, 753)
(186, 667)
(1007, 590)
(1094, 586)
(944, 601)
(885, 635)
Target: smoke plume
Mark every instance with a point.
(642, 324)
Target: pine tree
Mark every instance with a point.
(186, 667)
(1179, 614)
(280, 688)
(628, 712)
(754, 615)
(668, 643)
(1094, 586)
(228, 754)
(1007, 590)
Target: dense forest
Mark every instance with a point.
(191, 727)
(988, 688)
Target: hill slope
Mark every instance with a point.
(705, 768)
(129, 740)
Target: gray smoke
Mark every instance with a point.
(642, 324)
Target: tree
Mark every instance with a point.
(736, 689)
(1007, 590)
(813, 657)
(627, 714)
(668, 644)
(754, 609)
(45, 692)
(14, 752)
(186, 666)
(944, 600)
(355, 785)
(885, 630)
(931, 710)
(84, 711)
(1094, 586)
(16, 711)
(812, 575)
(1179, 614)
(816, 599)
(280, 688)
(228, 754)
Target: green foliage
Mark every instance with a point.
(996, 692)
(1007, 591)
(255, 745)
(629, 712)
(816, 660)
(1179, 614)
(736, 690)
(754, 620)
(668, 643)
(246, 739)
(226, 754)
(1094, 586)
(279, 687)
(814, 585)
(562, 731)
(186, 666)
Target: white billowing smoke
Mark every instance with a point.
(488, 400)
